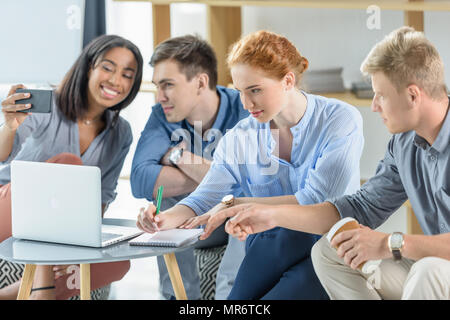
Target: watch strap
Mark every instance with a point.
(397, 255)
(395, 249)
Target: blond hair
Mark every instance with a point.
(275, 55)
(406, 57)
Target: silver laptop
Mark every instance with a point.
(61, 203)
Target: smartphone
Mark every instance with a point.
(41, 100)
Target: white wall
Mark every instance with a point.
(188, 18)
(437, 25)
(40, 39)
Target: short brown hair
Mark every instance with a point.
(270, 52)
(406, 57)
(192, 54)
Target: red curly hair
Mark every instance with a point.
(273, 54)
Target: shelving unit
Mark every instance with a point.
(224, 17)
(405, 5)
(225, 27)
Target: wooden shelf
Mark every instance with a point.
(348, 97)
(404, 5)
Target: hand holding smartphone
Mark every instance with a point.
(40, 100)
(15, 113)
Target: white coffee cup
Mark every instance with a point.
(346, 224)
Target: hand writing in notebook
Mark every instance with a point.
(147, 221)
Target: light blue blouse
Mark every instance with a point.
(326, 150)
(43, 136)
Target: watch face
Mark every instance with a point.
(227, 198)
(175, 155)
(396, 240)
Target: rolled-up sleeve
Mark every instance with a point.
(220, 181)
(378, 198)
(152, 146)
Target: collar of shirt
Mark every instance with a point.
(442, 139)
(296, 130)
(221, 115)
(223, 108)
(109, 115)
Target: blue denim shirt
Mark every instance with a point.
(159, 135)
(326, 149)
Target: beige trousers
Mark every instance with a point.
(427, 278)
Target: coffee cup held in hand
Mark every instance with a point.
(350, 224)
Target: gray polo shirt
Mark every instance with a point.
(43, 136)
(410, 169)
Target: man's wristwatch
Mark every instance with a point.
(175, 156)
(228, 200)
(395, 243)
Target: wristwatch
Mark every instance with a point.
(395, 243)
(228, 200)
(175, 156)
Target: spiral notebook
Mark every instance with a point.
(167, 238)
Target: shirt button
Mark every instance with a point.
(433, 158)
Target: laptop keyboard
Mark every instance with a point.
(108, 236)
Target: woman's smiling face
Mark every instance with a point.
(112, 78)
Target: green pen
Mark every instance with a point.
(158, 199)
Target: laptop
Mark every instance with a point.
(61, 203)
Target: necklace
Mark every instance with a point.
(89, 122)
